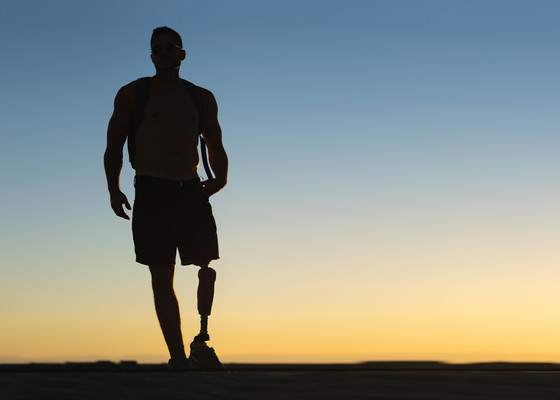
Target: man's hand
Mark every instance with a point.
(117, 200)
(212, 186)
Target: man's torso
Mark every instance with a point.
(167, 138)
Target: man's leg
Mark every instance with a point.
(167, 308)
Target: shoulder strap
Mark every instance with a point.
(196, 96)
(141, 96)
(194, 92)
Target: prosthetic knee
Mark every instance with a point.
(205, 296)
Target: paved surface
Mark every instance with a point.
(283, 382)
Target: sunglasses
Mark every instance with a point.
(167, 47)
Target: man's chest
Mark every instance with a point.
(171, 108)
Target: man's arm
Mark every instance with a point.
(113, 158)
(217, 156)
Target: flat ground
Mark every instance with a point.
(367, 381)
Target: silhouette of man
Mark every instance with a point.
(171, 207)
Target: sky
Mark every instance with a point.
(393, 190)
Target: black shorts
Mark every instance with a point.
(170, 215)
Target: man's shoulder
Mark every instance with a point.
(125, 95)
(202, 90)
(206, 96)
(132, 85)
(128, 91)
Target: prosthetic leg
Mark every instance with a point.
(203, 357)
(205, 296)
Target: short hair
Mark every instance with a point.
(164, 30)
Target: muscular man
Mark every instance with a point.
(171, 207)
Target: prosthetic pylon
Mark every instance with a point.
(205, 296)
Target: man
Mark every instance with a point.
(171, 207)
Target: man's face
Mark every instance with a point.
(166, 53)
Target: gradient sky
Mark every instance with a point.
(393, 188)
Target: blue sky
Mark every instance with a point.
(383, 154)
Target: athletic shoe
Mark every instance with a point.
(178, 364)
(204, 358)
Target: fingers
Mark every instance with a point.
(211, 187)
(123, 215)
(117, 205)
(205, 191)
(119, 211)
(208, 192)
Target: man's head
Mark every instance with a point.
(167, 49)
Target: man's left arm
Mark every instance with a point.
(212, 134)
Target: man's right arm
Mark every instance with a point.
(116, 137)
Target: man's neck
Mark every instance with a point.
(167, 76)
